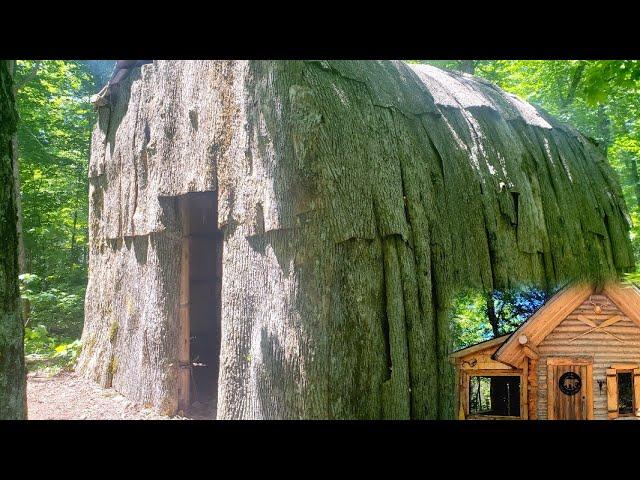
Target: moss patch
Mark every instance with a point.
(113, 332)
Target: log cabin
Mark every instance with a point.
(576, 358)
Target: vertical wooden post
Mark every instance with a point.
(458, 392)
(524, 390)
(184, 358)
(636, 391)
(589, 391)
(532, 389)
(612, 393)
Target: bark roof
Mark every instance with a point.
(507, 191)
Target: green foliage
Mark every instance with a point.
(49, 353)
(52, 344)
(61, 312)
(54, 137)
(69, 351)
(54, 142)
(470, 313)
(480, 395)
(513, 307)
(38, 341)
(469, 320)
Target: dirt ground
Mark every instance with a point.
(66, 396)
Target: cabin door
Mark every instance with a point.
(569, 389)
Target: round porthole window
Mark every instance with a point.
(570, 383)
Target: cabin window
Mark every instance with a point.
(623, 390)
(625, 393)
(494, 396)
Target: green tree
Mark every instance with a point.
(12, 374)
(478, 316)
(54, 142)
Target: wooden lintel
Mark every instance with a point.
(624, 366)
(492, 372)
(586, 360)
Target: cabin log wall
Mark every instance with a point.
(605, 349)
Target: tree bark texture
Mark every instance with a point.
(491, 314)
(16, 176)
(356, 198)
(12, 370)
(467, 66)
(635, 179)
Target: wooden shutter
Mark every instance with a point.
(612, 393)
(636, 391)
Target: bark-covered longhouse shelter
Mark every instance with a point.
(286, 236)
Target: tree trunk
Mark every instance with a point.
(572, 89)
(467, 66)
(604, 129)
(16, 173)
(491, 315)
(635, 179)
(22, 259)
(12, 370)
(72, 250)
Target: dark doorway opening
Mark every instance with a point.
(200, 302)
(494, 396)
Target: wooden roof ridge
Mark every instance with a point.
(480, 346)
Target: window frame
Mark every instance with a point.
(613, 400)
(482, 415)
(633, 399)
(493, 373)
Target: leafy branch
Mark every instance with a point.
(28, 77)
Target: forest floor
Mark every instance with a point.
(66, 396)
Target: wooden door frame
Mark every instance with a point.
(184, 315)
(551, 381)
(194, 231)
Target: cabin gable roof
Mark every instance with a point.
(627, 298)
(535, 329)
